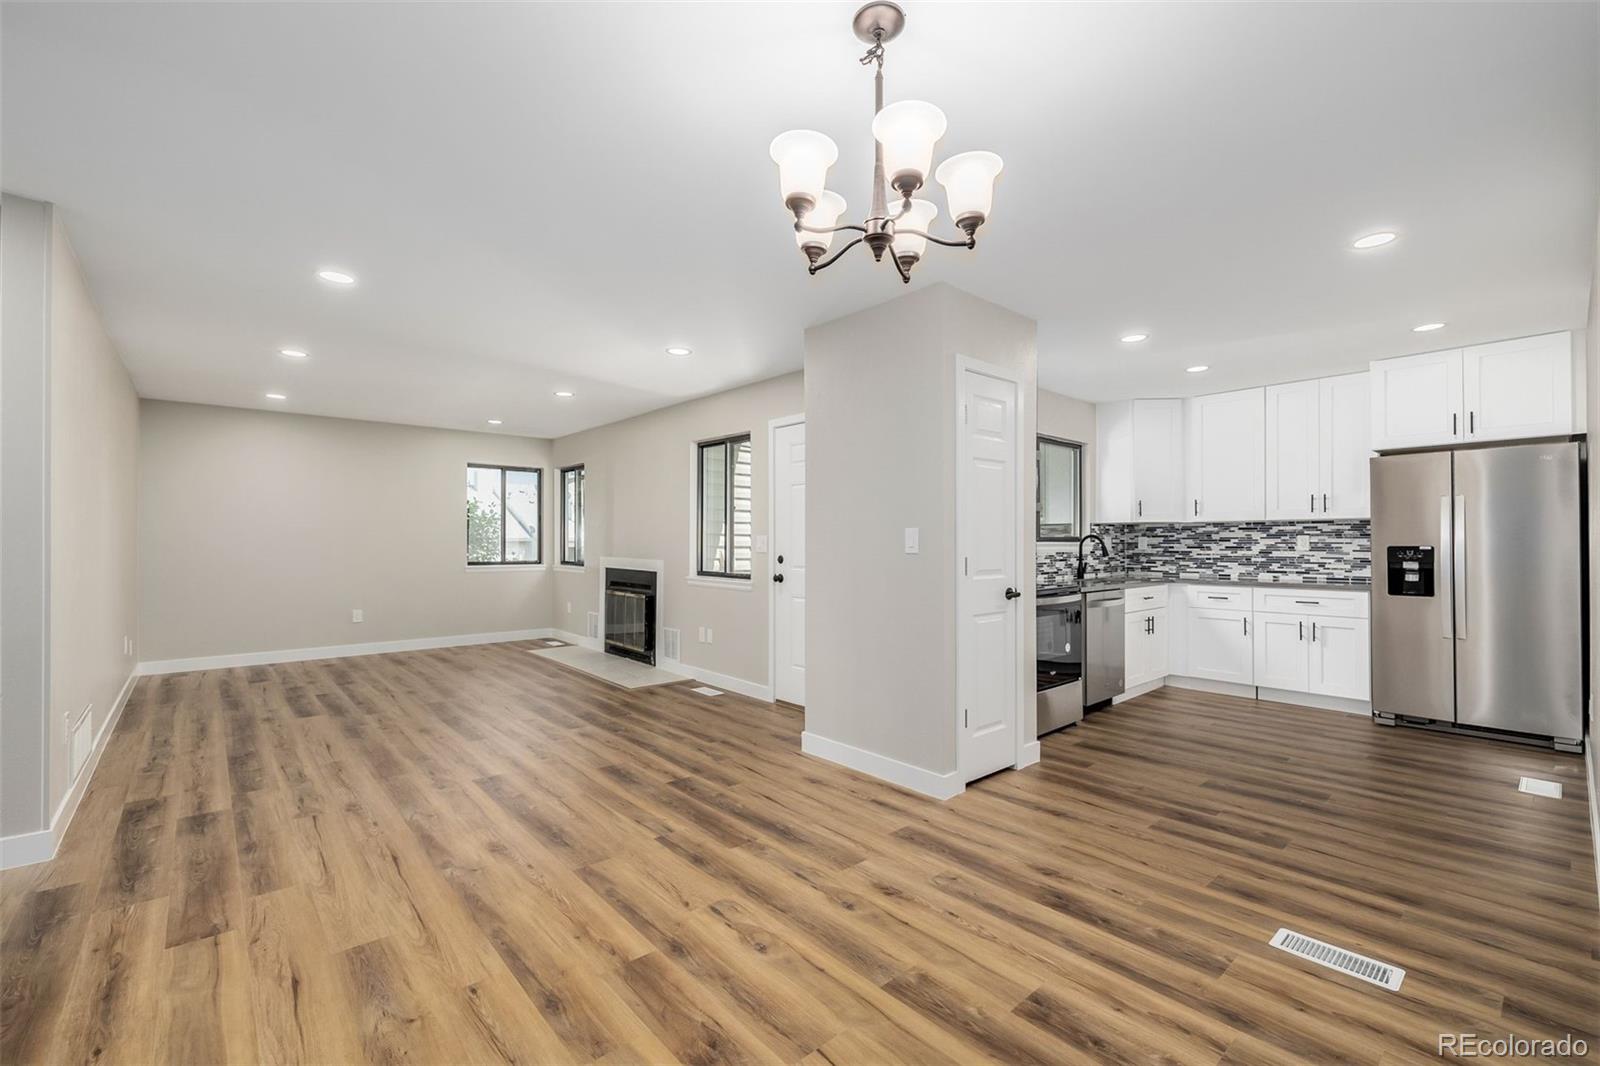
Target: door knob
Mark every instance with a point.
(1012, 594)
(780, 558)
(778, 578)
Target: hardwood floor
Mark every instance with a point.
(477, 855)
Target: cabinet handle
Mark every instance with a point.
(1310, 603)
(1313, 503)
(1453, 430)
(1209, 597)
(1472, 422)
(1302, 631)
(1313, 631)
(1141, 508)
(1197, 507)
(1246, 626)
(1324, 503)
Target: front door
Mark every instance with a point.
(789, 563)
(989, 620)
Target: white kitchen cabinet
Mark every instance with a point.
(1226, 459)
(1344, 446)
(1416, 401)
(1520, 388)
(1139, 461)
(1340, 658)
(1144, 647)
(1219, 646)
(1294, 468)
(1318, 442)
(1281, 657)
(1508, 390)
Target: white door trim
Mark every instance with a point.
(1027, 753)
(773, 425)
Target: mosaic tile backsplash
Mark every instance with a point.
(1226, 550)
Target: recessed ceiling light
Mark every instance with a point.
(494, 421)
(276, 396)
(336, 277)
(680, 351)
(1196, 369)
(1373, 240)
(1135, 338)
(292, 353)
(564, 394)
(1427, 327)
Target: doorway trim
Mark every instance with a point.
(1027, 748)
(773, 425)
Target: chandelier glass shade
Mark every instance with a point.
(905, 135)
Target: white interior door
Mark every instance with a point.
(789, 563)
(988, 623)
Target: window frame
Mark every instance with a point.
(727, 496)
(505, 511)
(1040, 440)
(561, 552)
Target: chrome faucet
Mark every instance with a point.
(1083, 557)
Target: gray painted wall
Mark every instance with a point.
(880, 399)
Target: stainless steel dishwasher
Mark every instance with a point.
(1103, 646)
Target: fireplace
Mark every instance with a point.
(630, 614)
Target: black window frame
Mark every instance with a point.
(505, 511)
(727, 494)
(561, 550)
(1038, 479)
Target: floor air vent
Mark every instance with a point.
(1336, 958)
(1538, 786)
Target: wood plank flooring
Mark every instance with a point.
(477, 855)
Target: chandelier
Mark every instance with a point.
(905, 133)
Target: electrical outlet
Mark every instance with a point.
(127, 645)
(1302, 543)
(701, 635)
(710, 639)
(913, 540)
(569, 606)
(358, 615)
(1144, 544)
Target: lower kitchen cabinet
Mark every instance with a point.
(1144, 647)
(1281, 658)
(1219, 645)
(1341, 658)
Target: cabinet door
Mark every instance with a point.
(1416, 401)
(1520, 388)
(1157, 460)
(1341, 657)
(1282, 656)
(1159, 657)
(1113, 481)
(1219, 645)
(1292, 413)
(1227, 457)
(1136, 649)
(1344, 426)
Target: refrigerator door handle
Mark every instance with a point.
(1458, 553)
(1446, 626)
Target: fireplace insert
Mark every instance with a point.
(631, 614)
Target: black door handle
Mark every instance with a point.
(1012, 594)
(778, 578)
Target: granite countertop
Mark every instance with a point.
(1095, 582)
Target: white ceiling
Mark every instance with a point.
(538, 197)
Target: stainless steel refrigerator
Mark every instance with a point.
(1478, 600)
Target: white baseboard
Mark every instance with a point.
(1138, 690)
(1030, 754)
(25, 849)
(1311, 699)
(726, 682)
(927, 782)
(1591, 760)
(338, 651)
(1220, 688)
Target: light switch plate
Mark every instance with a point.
(913, 537)
(358, 615)
(761, 543)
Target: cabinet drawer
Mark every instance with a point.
(1218, 596)
(1145, 597)
(1312, 602)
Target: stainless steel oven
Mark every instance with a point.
(1060, 655)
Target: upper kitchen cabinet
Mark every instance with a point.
(1139, 461)
(1317, 448)
(1294, 468)
(1520, 388)
(1502, 391)
(1226, 459)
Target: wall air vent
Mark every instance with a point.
(670, 644)
(1336, 958)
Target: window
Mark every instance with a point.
(502, 515)
(722, 490)
(572, 516)
(1060, 498)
